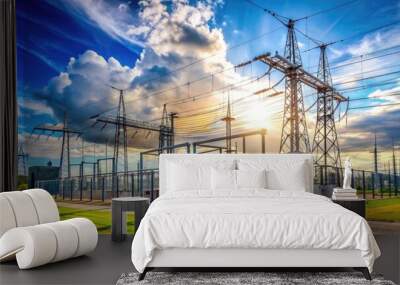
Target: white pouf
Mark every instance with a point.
(31, 232)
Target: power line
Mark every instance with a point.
(363, 60)
(213, 55)
(220, 108)
(368, 59)
(370, 77)
(375, 97)
(236, 101)
(226, 87)
(360, 56)
(368, 71)
(242, 105)
(280, 17)
(370, 31)
(327, 10)
(160, 92)
(374, 106)
(349, 37)
(192, 63)
(358, 88)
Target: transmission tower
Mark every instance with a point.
(172, 117)
(228, 123)
(65, 145)
(166, 133)
(294, 137)
(375, 152)
(65, 140)
(325, 143)
(395, 182)
(375, 156)
(121, 135)
(22, 160)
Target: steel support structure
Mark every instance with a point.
(121, 134)
(99, 172)
(294, 129)
(294, 135)
(395, 178)
(261, 132)
(65, 145)
(325, 143)
(376, 169)
(156, 152)
(22, 160)
(228, 126)
(166, 132)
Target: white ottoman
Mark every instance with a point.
(31, 232)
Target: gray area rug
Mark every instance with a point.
(228, 278)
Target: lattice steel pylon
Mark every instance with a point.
(228, 125)
(294, 137)
(376, 170)
(166, 135)
(325, 143)
(121, 134)
(66, 133)
(22, 161)
(395, 178)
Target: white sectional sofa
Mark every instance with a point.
(31, 230)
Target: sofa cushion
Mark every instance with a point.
(7, 220)
(41, 244)
(46, 207)
(23, 208)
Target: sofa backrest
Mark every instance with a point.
(26, 208)
(232, 160)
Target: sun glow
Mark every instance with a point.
(258, 116)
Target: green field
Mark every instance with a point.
(101, 218)
(387, 210)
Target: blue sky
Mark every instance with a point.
(150, 40)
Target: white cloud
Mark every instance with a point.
(82, 89)
(362, 124)
(172, 38)
(37, 107)
(123, 7)
(336, 52)
(386, 96)
(367, 65)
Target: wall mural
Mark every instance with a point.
(101, 81)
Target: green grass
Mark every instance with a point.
(387, 210)
(101, 218)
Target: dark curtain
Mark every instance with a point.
(8, 97)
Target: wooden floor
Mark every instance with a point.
(110, 260)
